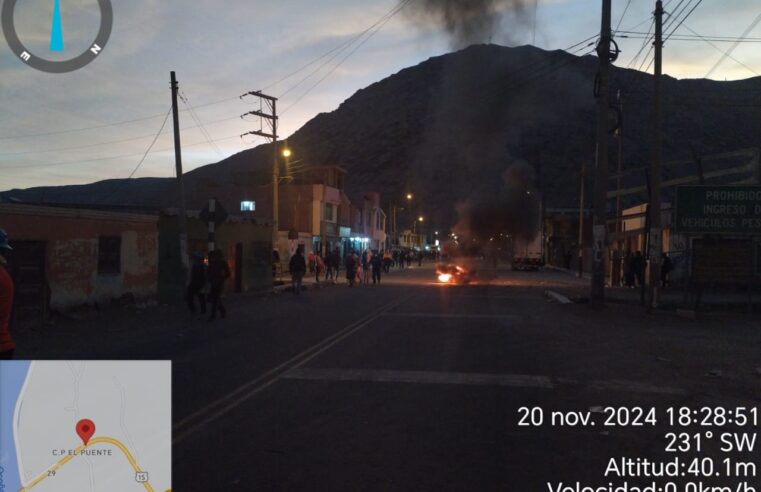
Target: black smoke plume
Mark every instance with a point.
(515, 213)
(470, 21)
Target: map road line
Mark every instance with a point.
(221, 406)
(109, 440)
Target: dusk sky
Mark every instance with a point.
(222, 48)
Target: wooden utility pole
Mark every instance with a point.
(180, 186)
(581, 219)
(655, 173)
(600, 247)
(272, 119)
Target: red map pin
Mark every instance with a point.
(85, 430)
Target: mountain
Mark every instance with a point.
(449, 128)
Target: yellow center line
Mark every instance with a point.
(98, 440)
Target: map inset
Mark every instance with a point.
(85, 426)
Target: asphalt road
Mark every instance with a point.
(413, 385)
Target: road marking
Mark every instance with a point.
(511, 317)
(472, 379)
(108, 440)
(233, 399)
(422, 377)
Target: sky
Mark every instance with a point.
(98, 122)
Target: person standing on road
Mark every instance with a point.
(628, 270)
(329, 268)
(351, 268)
(218, 273)
(310, 261)
(336, 263)
(367, 258)
(638, 268)
(420, 258)
(387, 261)
(666, 267)
(376, 264)
(197, 284)
(319, 266)
(6, 300)
(298, 268)
(275, 263)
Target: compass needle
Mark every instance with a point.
(56, 32)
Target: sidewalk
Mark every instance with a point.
(671, 298)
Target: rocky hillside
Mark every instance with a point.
(450, 127)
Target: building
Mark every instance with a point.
(411, 240)
(66, 257)
(245, 242)
(368, 223)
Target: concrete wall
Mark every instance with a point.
(71, 238)
(255, 272)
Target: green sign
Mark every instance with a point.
(718, 210)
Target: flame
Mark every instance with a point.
(445, 277)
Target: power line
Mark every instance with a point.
(198, 121)
(151, 145)
(692, 37)
(726, 53)
(388, 15)
(683, 19)
(338, 48)
(99, 159)
(354, 50)
(735, 45)
(108, 142)
(210, 103)
(628, 3)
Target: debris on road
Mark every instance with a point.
(557, 297)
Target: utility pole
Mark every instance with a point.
(600, 247)
(270, 104)
(618, 258)
(655, 173)
(581, 219)
(180, 186)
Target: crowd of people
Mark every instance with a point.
(363, 267)
(207, 283)
(635, 264)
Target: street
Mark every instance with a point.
(414, 385)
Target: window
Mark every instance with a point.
(109, 255)
(247, 206)
(329, 212)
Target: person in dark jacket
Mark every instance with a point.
(666, 267)
(197, 284)
(336, 263)
(376, 263)
(638, 268)
(298, 268)
(218, 273)
(629, 269)
(351, 268)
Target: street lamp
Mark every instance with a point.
(409, 196)
(286, 152)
